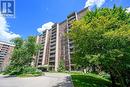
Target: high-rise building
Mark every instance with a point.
(42, 55)
(56, 46)
(5, 54)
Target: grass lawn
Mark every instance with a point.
(1, 72)
(89, 80)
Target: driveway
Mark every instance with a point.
(49, 80)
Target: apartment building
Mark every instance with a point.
(5, 54)
(42, 55)
(55, 45)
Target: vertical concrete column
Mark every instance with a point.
(69, 59)
(76, 15)
(45, 47)
(57, 48)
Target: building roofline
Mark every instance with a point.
(82, 10)
(71, 13)
(7, 43)
(62, 22)
(87, 8)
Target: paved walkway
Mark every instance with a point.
(49, 80)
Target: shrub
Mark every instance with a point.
(31, 70)
(61, 66)
(24, 71)
(13, 70)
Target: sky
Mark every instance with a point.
(34, 16)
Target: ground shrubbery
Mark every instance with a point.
(61, 67)
(26, 71)
(32, 71)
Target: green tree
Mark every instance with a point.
(18, 42)
(102, 38)
(31, 47)
(23, 53)
(61, 67)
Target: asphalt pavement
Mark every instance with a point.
(48, 80)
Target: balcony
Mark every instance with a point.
(39, 63)
(40, 60)
(53, 40)
(71, 47)
(53, 44)
(40, 56)
(53, 34)
(52, 48)
(52, 56)
(51, 61)
(52, 65)
(51, 52)
(72, 18)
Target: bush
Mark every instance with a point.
(24, 71)
(105, 75)
(61, 67)
(32, 70)
(13, 70)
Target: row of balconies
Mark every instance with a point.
(40, 56)
(51, 61)
(53, 37)
(1, 57)
(52, 52)
(39, 63)
(71, 18)
(1, 60)
(53, 44)
(52, 48)
(40, 60)
(6, 50)
(54, 29)
(53, 33)
(52, 55)
(42, 41)
(3, 54)
(6, 47)
(53, 40)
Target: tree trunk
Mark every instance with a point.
(94, 68)
(113, 79)
(121, 79)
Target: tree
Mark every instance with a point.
(23, 53)
(18, 42)
(61, 66)
(31, 47)
(102, 38)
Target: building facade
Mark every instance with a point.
(55, 45)
(6, 50)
